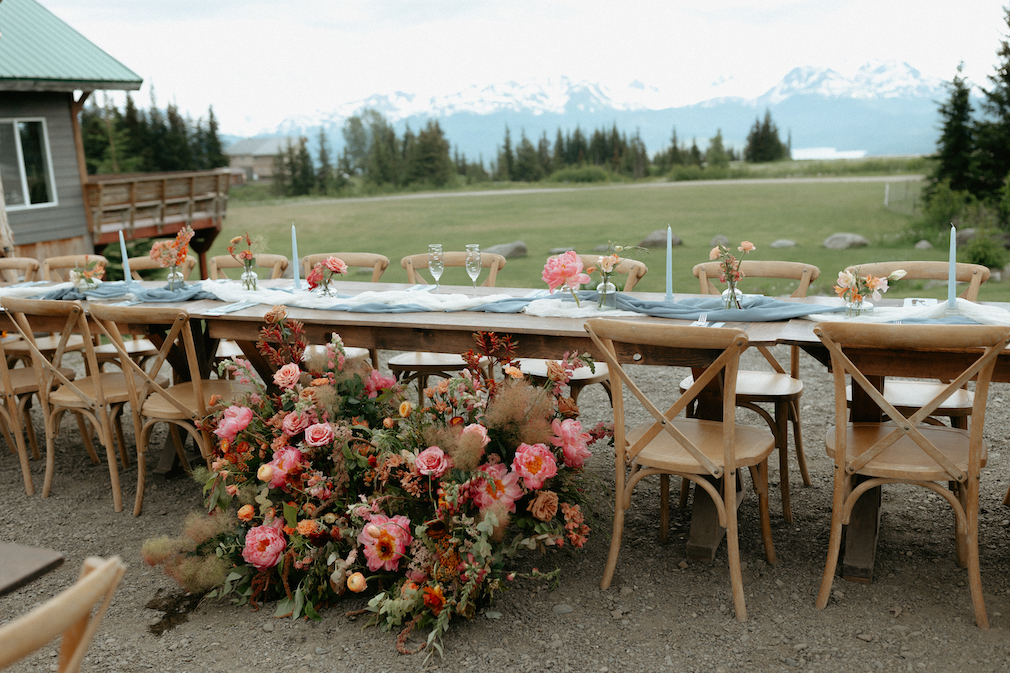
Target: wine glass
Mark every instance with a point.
(435, 263)
(473, 264)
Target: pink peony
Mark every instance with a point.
(234, 421)
(571, 440)
(478, 430)
(385, 541)
(335, 264)
(376, 382)
(319, 434)
(287, 376)
(286, 462)
(535, 463)
(297, 421)
(264, 546)
(433, 462)
(564, 270)
(496, 485)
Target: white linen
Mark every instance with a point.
(987, 315)
(557, 308)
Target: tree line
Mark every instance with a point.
(134, 140)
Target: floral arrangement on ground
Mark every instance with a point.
(330, 481)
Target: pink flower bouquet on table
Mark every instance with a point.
(323, 272)
(565, 271)
(729, 270)
(319, 488)
(171, 254)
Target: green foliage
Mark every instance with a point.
(956, 144)
(580, 174)
(945, 205)
(985, 250)
(763, 143)
(715, 155)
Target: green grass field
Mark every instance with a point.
(804, 211)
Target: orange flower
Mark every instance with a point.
(246, 512)
(307, 527)
(434, 599)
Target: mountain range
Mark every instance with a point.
(886, 108)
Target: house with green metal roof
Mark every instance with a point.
(47, 72)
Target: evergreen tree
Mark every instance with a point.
(356, 147)
(178, 155)
(559, 151)
(430, 157)
(715, 155)
(324, 175)
(992, 136)
(694, 154)
(384, 164)
(157, 131)
(300, 168)
(763, 142)
(506, 160)
(544, 155)
(527, 164)
(212, 143)
(578, 148)
(956, 144)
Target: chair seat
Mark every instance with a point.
(916, 394)
(137, 348)
(45, 344)
(24, 381)
(157, 406)
(537, 368)
(227, 349)
(905, 459)
(426, 363)
(113, 385)
(664, 452)
(758, 386)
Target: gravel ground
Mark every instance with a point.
(661, 612)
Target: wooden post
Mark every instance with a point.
(75, 110)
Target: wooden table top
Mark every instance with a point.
(20, 565)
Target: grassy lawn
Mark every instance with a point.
(806, 212)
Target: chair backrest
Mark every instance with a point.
(488, 260)
(716, 349)
(147, 264)
(67, 317)
(276, 263)
(17, 269)
(973, 274)
(58, 268)
(632, 268)
(68, 613)
(798, 271)
(376, 262)
(861, 350)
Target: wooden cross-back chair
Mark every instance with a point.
(68, 613)
(583, 376)
(98, 397)
(421, 366)
(18, 269)
(362, 260)
(218, 265)
(702, 451)
(778, 387)
(907, 396)
(182, 405)
(145, 263)
(58, 268)
(906, 450)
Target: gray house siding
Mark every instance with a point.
(67, 219)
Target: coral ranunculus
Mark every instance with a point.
(264, 546)
(565, 270)
(572, 441)
(357, 583)
(234, 421)
(385, 540)
(535, 464)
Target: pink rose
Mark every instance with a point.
(319, 434)
(433, 462)
(478, 430)
(234, 421)
(286, 463)
(287, 376)
(385, 541)
(572, 441)
(564, 270)
(535, 464)
(376, 382)
(264, 546)
(297, 421)
(497, 484)
(315, 277)
(335, 264)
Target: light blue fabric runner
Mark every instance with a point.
(114, 289)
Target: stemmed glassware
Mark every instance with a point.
(435, 263)
(473, 264)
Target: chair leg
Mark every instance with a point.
(801, 458)
(574, 390)
(971, 541)
(685, 492)
(733, 546)
(33, 439)
(16, 441)
(180, 447)
(105, 433)
(52, 427)
(759, 474)
(782, 442)
(89, 446)
(664, 507)
(145, 436)
(841, 487)
(615, 541)
(960, 535)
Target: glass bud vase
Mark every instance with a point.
(854, 308)
(731, 297)
(175, 279)
(249, 279)
(607, 294)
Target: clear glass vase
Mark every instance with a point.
(607, 294)
(731, 297)
(176, 281)
(854, 308)
(249, 279)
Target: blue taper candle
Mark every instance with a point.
(669, 263)
(294, 256)
(126, 258)
(952, 273)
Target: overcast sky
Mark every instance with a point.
(259, 61)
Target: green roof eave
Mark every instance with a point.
(67, 85)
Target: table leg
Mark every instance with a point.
(864, 523)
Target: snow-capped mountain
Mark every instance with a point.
(883, 108)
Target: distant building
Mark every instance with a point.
(256, 156)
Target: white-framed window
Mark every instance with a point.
(26, 166)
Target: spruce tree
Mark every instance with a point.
(715, 155)
(956, 145)
(212, 143)
(992, 135)
(324, 175)
(527, 164)
(559, 151)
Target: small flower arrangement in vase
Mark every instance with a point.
(729, 271)
(606, 266)
(565, 272)
(323, 272)
(87, 277)
(854, 289)
(170, 254)
(247, 257)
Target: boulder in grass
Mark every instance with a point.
(560, 251)
(844, 241)
(923, 245)
(508, 250)
(782, 243)
(657, 239)
(719, 239)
